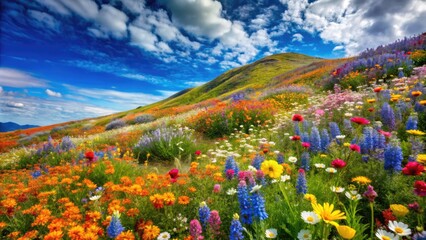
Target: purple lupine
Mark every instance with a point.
(315, 140)
(305, 161)
(388, 116)
(257, 161)
(301, 185)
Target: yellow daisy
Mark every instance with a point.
(272, 168)
(326, 213)
(361, 180)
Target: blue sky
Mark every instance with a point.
(64, 60)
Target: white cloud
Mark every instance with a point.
(15, 78)
(297, 37)
(199, 17)
(143, 39)
(44, 20)
(112, 21)
(53, 94)
(167, 93)
(356, 25)
(194, 83)
(134, 6)
(86, 9)
(15, 104)
(338, 48)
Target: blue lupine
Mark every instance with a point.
(305, 161)
(67, 144)
(411, 123)
(398, 114)
(347, 125)
(304, 137)
(301, 185)
(36, 174)
(231, 164)
(417, 146)
(280, 158)
(204, 214)
(325, 140)
(400, 73)
(257, 161)
(236, 229)
(296, 128)
(393, 157)
(260, 176)
(367, 140)
(379, 140)
(334, 129)
(388, 116)
(244, 200)
(306, 125)
(115, 227)
(418, 107)
(315, 140)
(386, 95)
(258, 203)
(403, 107)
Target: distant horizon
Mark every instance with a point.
(66, 60)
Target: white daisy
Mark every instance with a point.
(231, 191)
(164, 236)
(331, 170)
(304, 235)
(337, 189)
(256, 188)
(285, 178)
(319, 165)
(310, 217)
(385, 235)
(400, 228)
(271, 233)
(292, 159)
(340, 136)
(95, 197)
(353, 195)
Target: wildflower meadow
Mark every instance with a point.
(295, 162)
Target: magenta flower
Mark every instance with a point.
(370, 194)
(195, 230)
(355, 147)
(413, 168)
(306, 145)
(214, 222)
(216, 188)
(420, 188)
(338, 163)
(360, 120)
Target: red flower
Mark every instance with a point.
(377, 89)
(371, 109)
(174, 174)
(306, 145)
(198, 152)
(360, 120)
(89, 155)
(338, 163)
(420, 188)
(355, 148)
(413, 168)
(297, 118)
(388, 216)
(295, 138)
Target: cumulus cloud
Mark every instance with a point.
(53, 94)
(199, 17)
(112, 21)
(146, 40)
(15, 104)
(358, 24)
(297, 37)
(134, 6)
(86, 9)
(18, 79)
(338, 48)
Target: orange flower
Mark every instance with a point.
(132, 212)
(2, 225)
(192, 189)
(128, 235)
(150, 232)
(169, 198)
(9, 203)
(55, 235)
(183, 200)
(157, 201)
(43, 218)
(76, 233)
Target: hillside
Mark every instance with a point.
(11, 126)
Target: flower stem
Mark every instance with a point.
(372, 220)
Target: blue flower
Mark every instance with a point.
(411, 123)
(36, 174)
(257, 161)
(305, 161)
(115, 228)
(296, 128)
(204, 214)
(236, 229)
(231, 164)
(388, 116)
(280, 158)
(245, 206)
(325, 140)
(301, 185)
(315, 140)
(258, 203)
(393, 157)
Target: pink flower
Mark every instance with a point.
(360, 120)
(230, 173)
(420, 188)
(355, 147)
(319, 112)
(198, 152)
(306, 145)
(370, 194)
(338, 163)
(297, 118)
(174, 174)
(413, 168)
(386, 134)
(216, 188)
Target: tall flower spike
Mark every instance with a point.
(115, 227)
(393, 157)
(258, 203)
(195, 230)
(245, 206)
(236, 229)
(370, 194)
(204, 214)
(214, 222)
(315, 140)
(301, 186)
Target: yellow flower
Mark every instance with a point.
(346, 144)
(399, 210)
(422, 102)
(150, 232)
(272, 168)
(361, 180)
(372, 100)
(421, 158)
(416, 93)
(346, 232)
(416, 132)
(327, 214)
(310, 197)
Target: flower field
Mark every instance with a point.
(293, 163)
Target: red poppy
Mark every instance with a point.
(355, 148)
(360, 120)
(338, 163)
(297, 118)
(89, 155)
(420, 188)
(413, 168)
(295, 138)
(377, 89)
(198, 152)
(174, 174)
